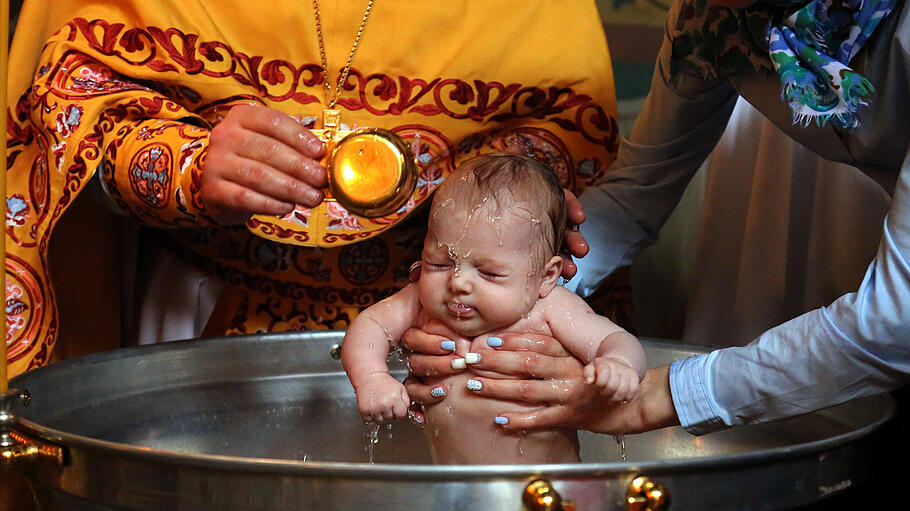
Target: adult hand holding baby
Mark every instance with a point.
(432, 355)
(534, 355)
(551, 377)
(575, 243)
(568, 401)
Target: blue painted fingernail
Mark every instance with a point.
(447, 345)
(494, 342)
(475, 385)
(502, 421)
(438, 392)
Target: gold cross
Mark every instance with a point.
(331, 130)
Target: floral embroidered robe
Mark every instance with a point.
(129, 91)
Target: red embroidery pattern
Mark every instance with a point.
(150, 173)
(279, 80)
(363, 263)
(24, 307)
(79, 78)
(276, 230)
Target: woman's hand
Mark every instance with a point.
(260, 161)
(433, 356)
(566, 400)
(575, 243)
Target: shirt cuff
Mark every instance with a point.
(693, 394)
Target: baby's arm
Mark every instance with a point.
(365, 350)
(615, 359)
(615, 370)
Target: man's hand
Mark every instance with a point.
(260, 161)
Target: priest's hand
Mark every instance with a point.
(260, 161)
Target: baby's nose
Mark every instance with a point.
(459, 283)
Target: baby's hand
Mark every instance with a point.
(615, 379)
(382, 398)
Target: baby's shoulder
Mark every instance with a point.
(561, 297)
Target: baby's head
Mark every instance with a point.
(492, 247)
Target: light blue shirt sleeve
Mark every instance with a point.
(857, 346)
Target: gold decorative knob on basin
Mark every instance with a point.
(539, 495)
(16, 447)
(646, 495)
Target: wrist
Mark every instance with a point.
(656, 408)
(368, 378)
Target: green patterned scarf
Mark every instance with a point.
(809, 45)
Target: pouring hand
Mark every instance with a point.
(260, 161)
(575, 243)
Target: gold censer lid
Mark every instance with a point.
(371, 172)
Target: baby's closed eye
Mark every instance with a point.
(491, 274)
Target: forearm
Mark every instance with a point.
(857, 346)
(651, 409)
(151, 171)
(90, 118)
(676, 130)
(365, 349)
(654, 405)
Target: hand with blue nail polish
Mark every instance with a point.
(433, 349)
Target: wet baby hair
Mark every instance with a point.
(509, 177)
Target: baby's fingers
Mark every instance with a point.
(603, 374)
(626, 390)
(589, 373)
(372, 418)
(400, 408)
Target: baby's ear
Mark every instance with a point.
(551, 272)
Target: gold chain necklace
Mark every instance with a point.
(331, 97)
(372, 172)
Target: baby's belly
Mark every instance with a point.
(461, 430)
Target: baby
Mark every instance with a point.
(490, 263)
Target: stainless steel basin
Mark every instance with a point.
(269, 422)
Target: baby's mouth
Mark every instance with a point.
(459, 309)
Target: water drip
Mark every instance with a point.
(372, 439)
(621, 440)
